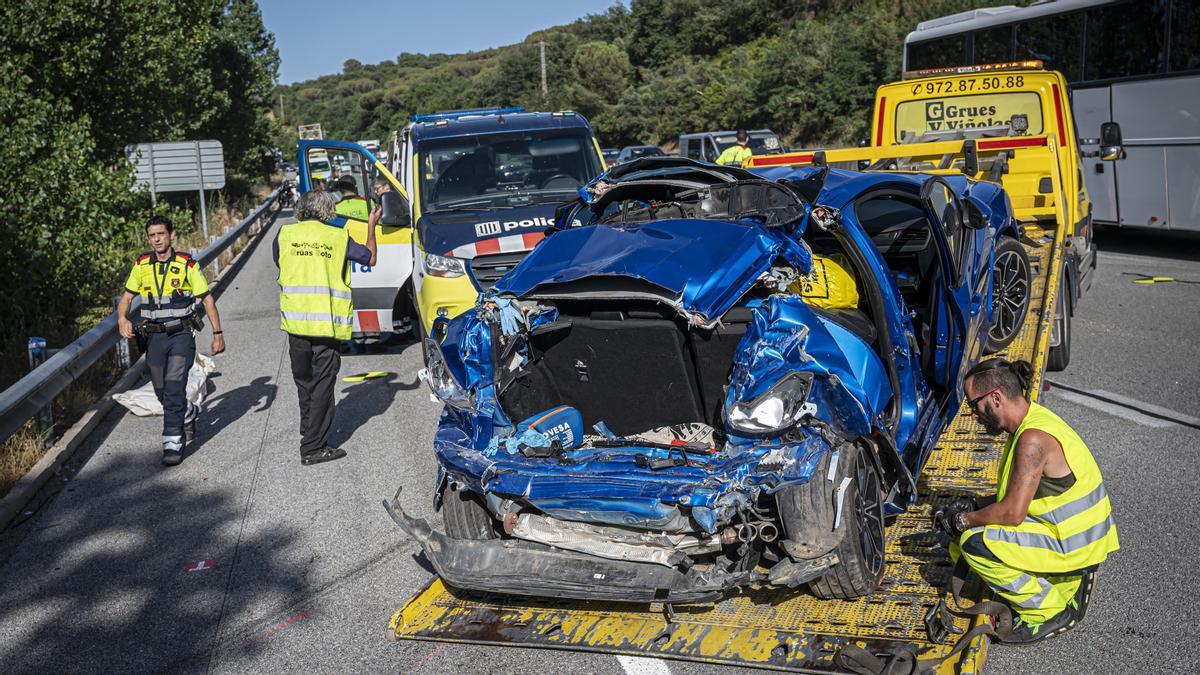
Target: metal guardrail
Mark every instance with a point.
(22, 401)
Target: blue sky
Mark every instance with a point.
(315, 38)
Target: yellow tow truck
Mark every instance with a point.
(787, 630)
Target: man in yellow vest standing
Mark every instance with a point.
(316, 311)
(173, 289)
(351, 205)
(738, 153)
(1038, 542)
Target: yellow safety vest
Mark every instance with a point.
(735, 154)
(169, 290)
(314, 281)
(352, 207)
(1065, 532)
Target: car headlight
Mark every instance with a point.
(443, 266)
(776, 409)
(441, 381)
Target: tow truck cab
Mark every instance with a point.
(1001, 100)
(484, 186)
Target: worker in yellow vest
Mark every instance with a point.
(173, 290)
(1038, 542)
(738, 153)
(351, 204)
(316, 311)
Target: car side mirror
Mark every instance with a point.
(1111, 146)
(395, 210)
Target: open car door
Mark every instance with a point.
(955, 308)
(357, 180)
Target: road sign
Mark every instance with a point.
(179, 167)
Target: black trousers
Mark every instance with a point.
(315, 364)
(169, 357)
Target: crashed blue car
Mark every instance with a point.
(707, 378)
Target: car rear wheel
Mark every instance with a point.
(1011, 284)
(861, 549)
(465, 516)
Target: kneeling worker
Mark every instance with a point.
(316, 311)
(1037, 544)
(171, 284)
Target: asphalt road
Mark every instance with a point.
(298, 568)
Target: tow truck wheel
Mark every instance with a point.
(1059, 356)
(465, 517)
(1011, 284)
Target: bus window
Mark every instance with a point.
(1125, 40)
(954, 113)
(1185, 35)
(993, 45)
(1055, 40)
(950, 51)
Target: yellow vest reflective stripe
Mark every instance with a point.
(314, 281)
(735, 153)
(352, 207)
(1061, 533)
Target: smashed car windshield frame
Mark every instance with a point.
(755, 201)
(512, 169)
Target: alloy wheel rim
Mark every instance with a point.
(868, 507)
(1011, 295)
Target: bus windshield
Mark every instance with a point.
(949, 116)
(513, 169)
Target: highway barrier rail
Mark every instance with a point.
(36, 391)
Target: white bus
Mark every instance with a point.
(1134, 62)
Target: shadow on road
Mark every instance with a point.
(1153, 243)
(101, 582)
(363, 401)
(227, 408)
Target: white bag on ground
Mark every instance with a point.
(143, 403)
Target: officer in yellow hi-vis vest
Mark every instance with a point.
(351, 205)
(316, 311)
(172, 286)
(1038, 543)
(738, 153)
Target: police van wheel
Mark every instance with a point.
(465, 516)
(1012, 282)
(861, 550)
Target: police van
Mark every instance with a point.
(480, 186)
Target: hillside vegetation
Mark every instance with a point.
(649, 72)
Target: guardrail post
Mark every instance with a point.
(45, 416)
(124, 358)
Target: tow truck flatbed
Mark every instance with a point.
(771, 628)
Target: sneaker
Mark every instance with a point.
(325, 454)
(1024, 633)
(172, 457)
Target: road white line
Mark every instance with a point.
(1148, 407)
(1112, 409)
(640, 665)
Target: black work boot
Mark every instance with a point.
(172, 457)
(1026, 633)
(325, 454)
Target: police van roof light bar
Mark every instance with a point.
(457, 114)
(1033, 64)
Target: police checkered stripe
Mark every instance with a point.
(317, 316)
(513, 243)
(318, 290)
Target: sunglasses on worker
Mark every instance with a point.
(974, 402)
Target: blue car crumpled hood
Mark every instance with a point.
(701, 267)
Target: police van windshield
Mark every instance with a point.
(948, 117)
(513, 169)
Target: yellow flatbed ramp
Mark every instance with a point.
(774, 628)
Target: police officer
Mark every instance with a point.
(351, 204)
(1038, 542)
(738, 153)
(172, 287)
(316, 311)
